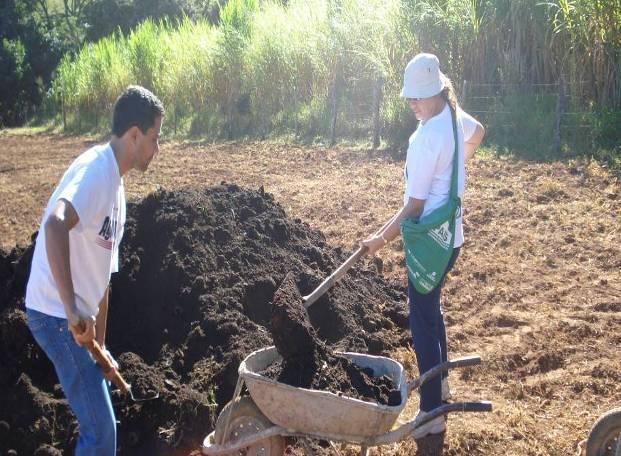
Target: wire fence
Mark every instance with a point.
(536, 119)
(548, 118)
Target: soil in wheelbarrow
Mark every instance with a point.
(198, 273)
(308, 362)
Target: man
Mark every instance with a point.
(76, 251)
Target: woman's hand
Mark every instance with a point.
(373, 244)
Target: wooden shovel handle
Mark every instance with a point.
(106, 365)
(334, 277)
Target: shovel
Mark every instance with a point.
(336, 275)
(106, 365)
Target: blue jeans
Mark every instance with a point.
(429, 337)
(83, 382)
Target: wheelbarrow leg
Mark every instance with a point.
(236, 394)
(334, 448)
(364, 450)
(304, 443)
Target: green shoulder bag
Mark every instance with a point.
(428, 242)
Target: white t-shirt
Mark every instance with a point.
(429, 162)
(94, 187)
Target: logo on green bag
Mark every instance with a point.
(442, 235)
(426, 285)
(414, 273)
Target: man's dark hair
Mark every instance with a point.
(136, 106)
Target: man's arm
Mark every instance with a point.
(100, 332)
(102, 318)
(61, 220)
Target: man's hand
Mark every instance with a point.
(83, 331)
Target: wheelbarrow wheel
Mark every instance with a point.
(245, 418)
(605, 436)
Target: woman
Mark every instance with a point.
(428, 172)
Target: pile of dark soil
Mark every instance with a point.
(199, 271)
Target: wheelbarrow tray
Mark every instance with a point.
(321, 412)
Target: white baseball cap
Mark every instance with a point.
(422, 78)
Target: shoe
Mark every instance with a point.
(435, 426)
(446, 390)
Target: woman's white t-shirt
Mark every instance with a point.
(94, 187)
(429, 162)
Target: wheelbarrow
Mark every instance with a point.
(258, 424)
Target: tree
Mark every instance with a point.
(30, 49)
(16, 79)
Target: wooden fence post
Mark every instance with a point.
(175, 116)
(560, 109)
(229, 117)
(296, 126)
(335, 107)
(62, 102)
(377, 102)
(464, 91)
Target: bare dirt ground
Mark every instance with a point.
(536, 291)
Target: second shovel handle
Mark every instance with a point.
(334, 277)
(106, 365)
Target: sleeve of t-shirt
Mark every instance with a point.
(83, 191)
(421, 167)
(469, 124)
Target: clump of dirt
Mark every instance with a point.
(291, 329)
(307, 361)
(198, 272)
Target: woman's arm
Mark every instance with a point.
(474, 141)
(476, 132)
(392, 229)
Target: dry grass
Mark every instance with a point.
(536, 292)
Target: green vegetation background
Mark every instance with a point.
(319, 69)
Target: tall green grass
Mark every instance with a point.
(264, 69)
(274, 67)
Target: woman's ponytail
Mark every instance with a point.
(448, 94)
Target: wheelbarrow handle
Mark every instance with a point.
(334, 277)
(106, 365)
(406, 429)
(437, 370)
